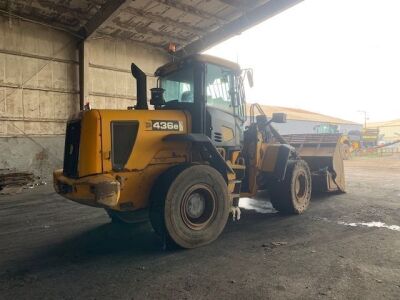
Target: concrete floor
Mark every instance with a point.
(53, 248)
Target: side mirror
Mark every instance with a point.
(250, 79)
(278, 118)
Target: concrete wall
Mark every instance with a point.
(109, 79)
(39, 88)
(38, 78)
(40, 154)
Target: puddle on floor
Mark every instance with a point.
(260, 206)
(371, 224)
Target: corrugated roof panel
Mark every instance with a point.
(156, 22)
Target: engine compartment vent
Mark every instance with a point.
(218, 137)
(123, 137)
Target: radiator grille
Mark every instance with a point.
(71, 149)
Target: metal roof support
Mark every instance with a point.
(252, 18)
(131, 38)
(243, 5)
(146, 30)
(108, 11)
(83, 73)
(164, 20)
(192, 10)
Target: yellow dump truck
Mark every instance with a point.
(187, 161)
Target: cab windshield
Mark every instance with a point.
(179, 86)
(219, 87)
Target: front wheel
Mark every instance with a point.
(190, 206)
(293, 194)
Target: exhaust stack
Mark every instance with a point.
(141, 87)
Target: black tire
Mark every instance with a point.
(293, 194)
(126, 217)
(113, 217)
(190, 205)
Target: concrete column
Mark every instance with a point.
(83, 73)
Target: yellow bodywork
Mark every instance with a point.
(97, 184)
(262, 158)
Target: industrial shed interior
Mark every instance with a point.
(57, 55)
(107, 219)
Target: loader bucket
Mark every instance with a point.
(323, 154)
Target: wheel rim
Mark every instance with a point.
(198, 206)
(300, 187)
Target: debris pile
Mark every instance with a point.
(13, 182)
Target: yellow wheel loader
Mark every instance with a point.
(185, 163)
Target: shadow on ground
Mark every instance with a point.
(110, 241)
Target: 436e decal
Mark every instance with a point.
(164, 125)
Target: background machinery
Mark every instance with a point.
(187, 162)
(370, 137)
(332, 132)
(326, 128)
(364, 139)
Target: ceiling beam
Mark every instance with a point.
(192, 10)
(96, 2)
(102, 34)
(164, 20)
(232, 3)
(243, 5)
(107, 12)
(248, 20)
(58, 7)
(39, 20)
(146, 30)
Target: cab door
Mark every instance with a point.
(222, 125)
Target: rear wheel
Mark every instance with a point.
(293, 194)
(190, 206)
(127, 217)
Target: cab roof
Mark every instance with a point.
(172, 66)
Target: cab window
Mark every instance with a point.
(219, 87)
(179, 86)
(241, 99)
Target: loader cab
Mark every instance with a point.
(211, 89)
